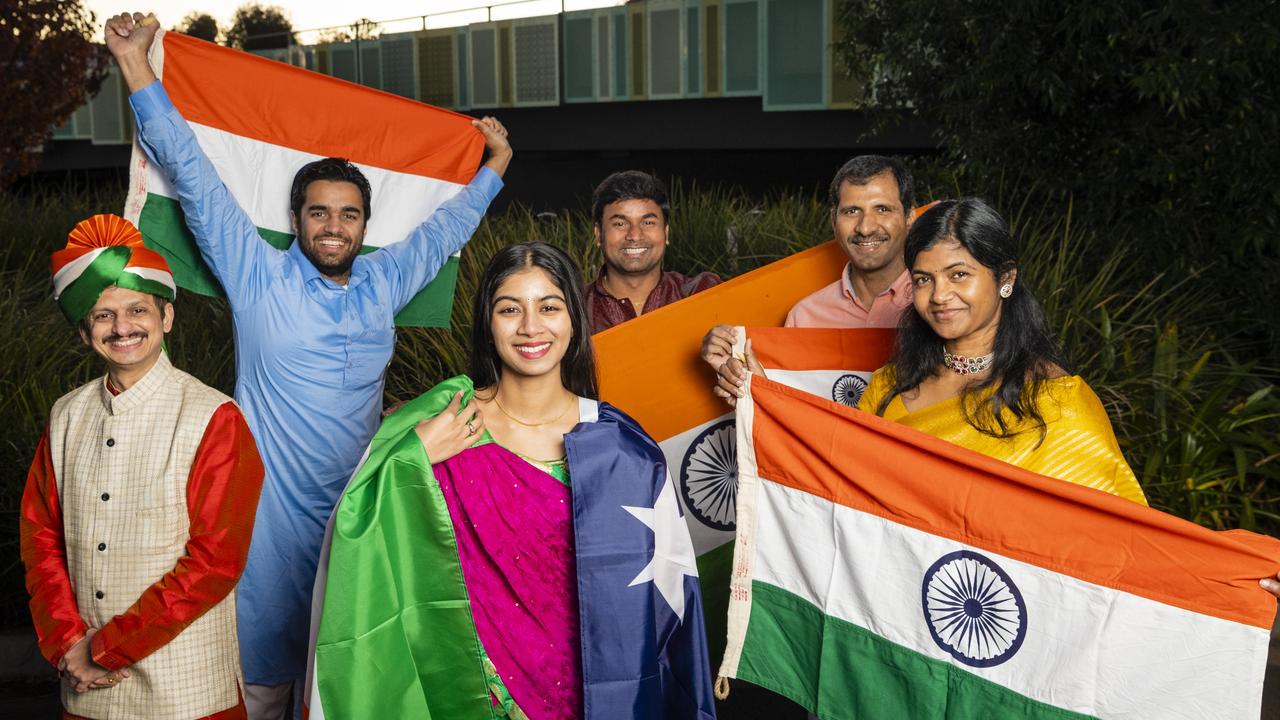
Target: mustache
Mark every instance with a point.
(116, 338)
(877, 236)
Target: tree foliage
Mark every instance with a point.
(199, 25)
(260, 27)
(362, 29)
(1158, 116)
(48, 69)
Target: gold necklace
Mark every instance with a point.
(529, 425)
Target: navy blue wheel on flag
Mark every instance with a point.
(709, 476)
(974, 611)
(847, 390)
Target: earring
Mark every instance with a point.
(1006, 290)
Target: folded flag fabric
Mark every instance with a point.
(693, 427)
(259, 121)
(443, 586)
(882, 572)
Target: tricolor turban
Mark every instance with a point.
(102, 251)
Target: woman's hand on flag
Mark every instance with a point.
(455, 429)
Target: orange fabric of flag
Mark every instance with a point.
(650, 367)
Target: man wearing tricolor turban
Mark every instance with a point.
(139, 506)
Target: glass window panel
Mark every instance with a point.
(484, 90)
(602, 56)
(66, 130)
(435, 68)
(108, 122)
(693, 56)
(464, 85)
(741, 48)
(664, 52)
(537, 63)
(397, 66)
(712, 54)
(371, 64)
(342, 59)
(84, 122)
(620, 55)
(796, 53)
(578, 58)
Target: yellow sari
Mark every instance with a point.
(1079, 445)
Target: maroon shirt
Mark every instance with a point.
(605, 310)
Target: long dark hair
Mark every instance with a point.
(578, 367)
(1025, 353)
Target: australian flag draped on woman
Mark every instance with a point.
(483, 587)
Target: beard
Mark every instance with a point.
(331, 265)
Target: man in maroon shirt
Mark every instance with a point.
(631, 214)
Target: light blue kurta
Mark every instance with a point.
(310, 362)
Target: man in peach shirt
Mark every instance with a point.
(871, 200)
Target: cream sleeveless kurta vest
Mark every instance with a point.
(121, 464)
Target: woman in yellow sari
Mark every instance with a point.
(976, 366)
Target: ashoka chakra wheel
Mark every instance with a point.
(847, 390)
(973, 609)
(709, 476)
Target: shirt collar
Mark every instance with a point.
(141, 391)
(899, 291)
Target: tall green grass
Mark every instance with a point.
(1199, 422)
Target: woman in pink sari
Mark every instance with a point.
(485, 560)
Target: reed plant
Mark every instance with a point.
(1198, 420)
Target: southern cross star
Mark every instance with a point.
(673, 557)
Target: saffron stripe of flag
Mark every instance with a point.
(259, 132)
(881, 572)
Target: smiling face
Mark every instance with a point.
(958, 296)
(632, 235)
(530, 323)
(127, 329)
(331, 229)
(871, 223)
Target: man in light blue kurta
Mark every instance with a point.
(310, 359)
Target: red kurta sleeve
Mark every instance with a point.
(44, 553)
(222, 499)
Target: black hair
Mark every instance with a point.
(578, 367)
(859, 171)
(630, 185)
(331, 168)
(1025, 353)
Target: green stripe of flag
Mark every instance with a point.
(393, 539)
(165, 231)
(839, 670)
(714, 567)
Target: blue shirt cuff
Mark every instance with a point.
(487, 182)
(150, 102)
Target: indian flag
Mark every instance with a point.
(649, 367)
(259, 121)
(882, 573)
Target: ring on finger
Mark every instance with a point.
(471, 429)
